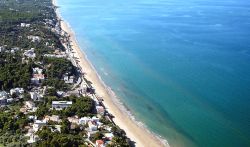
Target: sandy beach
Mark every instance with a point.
(139, 135)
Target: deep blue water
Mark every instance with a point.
(181, 67)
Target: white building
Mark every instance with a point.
(39, 124)
(30, 53)
(14, 49)
(34, 38)
(60, 93)
(25, 25)
(17, 91)
(74, 120)
(109, 136)
(61, 104)
(33, 138)
(10, 100)
(37, 70)
(84, 120)
(35, 96)
(55, 56)
(3, 94)
(92, 126)
(56, 128)
(68, 79)
(32, 117)
(29, 104)
(54, 118)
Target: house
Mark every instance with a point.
(68, 79)
(54, 118)
(25, 25)
(95, 119)
(2, 49)
(37, 79)
(10, 100)
(92, 126)
(55, 56)
(74, 120)
(109, 136)
(60, 93)
(32, 117)
(16, 91)
(108, 128)
(73, 126)
(33, 138)
(30, 53)
(35, 96)
(34, 38)
(37, 70)
(3, 101)
(34, 109)
(3, 94)
(61, 104)
(30, 131)
(13, 50)
(99, 143)
(23, 110)
(29, 105)
(39, 124)
(38, 76)
(3, 98)
(100, 110)
(84, 120)
(55, 128)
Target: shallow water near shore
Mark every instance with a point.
(181, 68)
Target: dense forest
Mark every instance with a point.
(14, 73)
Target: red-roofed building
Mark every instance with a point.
(37, 78)
(100, 110)
(99, 143)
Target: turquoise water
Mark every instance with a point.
(181, 67)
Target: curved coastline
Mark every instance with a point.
(135, 130)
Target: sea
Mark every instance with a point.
(181, 67)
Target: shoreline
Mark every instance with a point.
(138, 134)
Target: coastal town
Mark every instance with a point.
(45, 98)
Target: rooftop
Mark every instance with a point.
(61, 102)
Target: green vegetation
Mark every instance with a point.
(56, 139)
(13, 73)
(13, 11)
(56, 68)
(119, 138)
(82, 106)
(12, 124)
